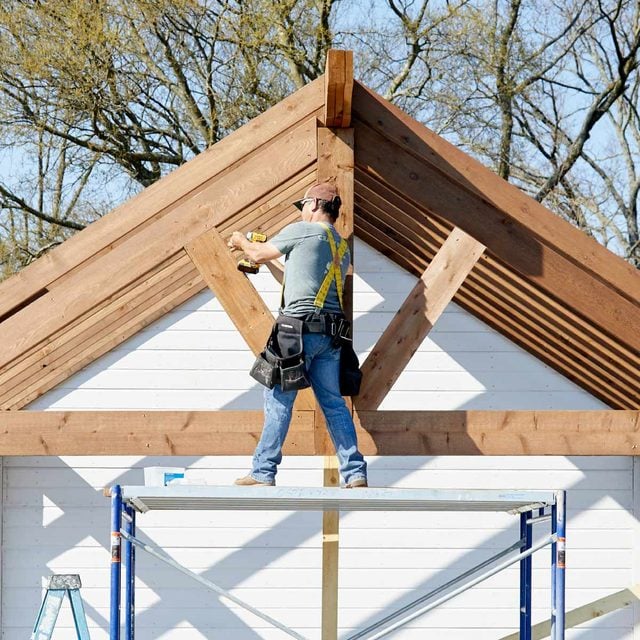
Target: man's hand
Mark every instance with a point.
(259, 252)
(236, 240)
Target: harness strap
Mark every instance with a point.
(335, 270)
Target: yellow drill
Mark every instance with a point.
(249, 266)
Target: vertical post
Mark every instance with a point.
(560, 564)
(526, 531)
(330, 555)
(335, 164)
(554, 556)
(129, 558)
(116, 523)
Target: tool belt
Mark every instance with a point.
(329, 324)
(282, 361)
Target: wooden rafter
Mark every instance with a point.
(47, 272)
(97, 332)
(417, 316)
(128, 311)
(338, 88)
(505, 300)
(543, 248)
(408, 135)
(31, 433)
(132, 259)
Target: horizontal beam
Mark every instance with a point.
(499, 433)
(57, 433)
(28, 433)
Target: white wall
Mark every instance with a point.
(56, 520)
(193, 358)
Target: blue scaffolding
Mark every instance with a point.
(533, 507)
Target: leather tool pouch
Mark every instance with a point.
(282, 361)
(350, 374)
(265, 372)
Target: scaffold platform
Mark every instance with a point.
(532, 507)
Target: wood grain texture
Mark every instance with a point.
(519, 309)
(508, 239)
(563, 433)
(144, 433)
(338, 88)
(99, 343)
(102, 277)
(106, 233)
(247, 310)
(57, 357)
(472, 177)
(401, 433)
(520, 321)
(417, 316)
(67, 343)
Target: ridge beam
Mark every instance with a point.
(338, 88)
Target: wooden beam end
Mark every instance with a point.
(338, 88)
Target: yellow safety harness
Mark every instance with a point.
(333, 274)
(335, 270)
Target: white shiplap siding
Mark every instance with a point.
(193, 358)
(56, 520)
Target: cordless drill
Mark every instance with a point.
(249, 266)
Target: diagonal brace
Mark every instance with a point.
(247, 310)
(417, 316)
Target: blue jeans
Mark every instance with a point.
(323, 369)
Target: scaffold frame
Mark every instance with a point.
(533, 507)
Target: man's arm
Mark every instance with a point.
(259, 252)
(277, 270)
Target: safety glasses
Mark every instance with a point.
(299, 204)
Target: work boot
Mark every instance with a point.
(358, 483)
(250, 481)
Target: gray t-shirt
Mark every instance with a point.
(308, 258)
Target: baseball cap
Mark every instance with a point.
(321, 191)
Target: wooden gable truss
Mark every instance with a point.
(468, 235)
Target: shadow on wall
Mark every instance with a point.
(80, 519)
(463, 363)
